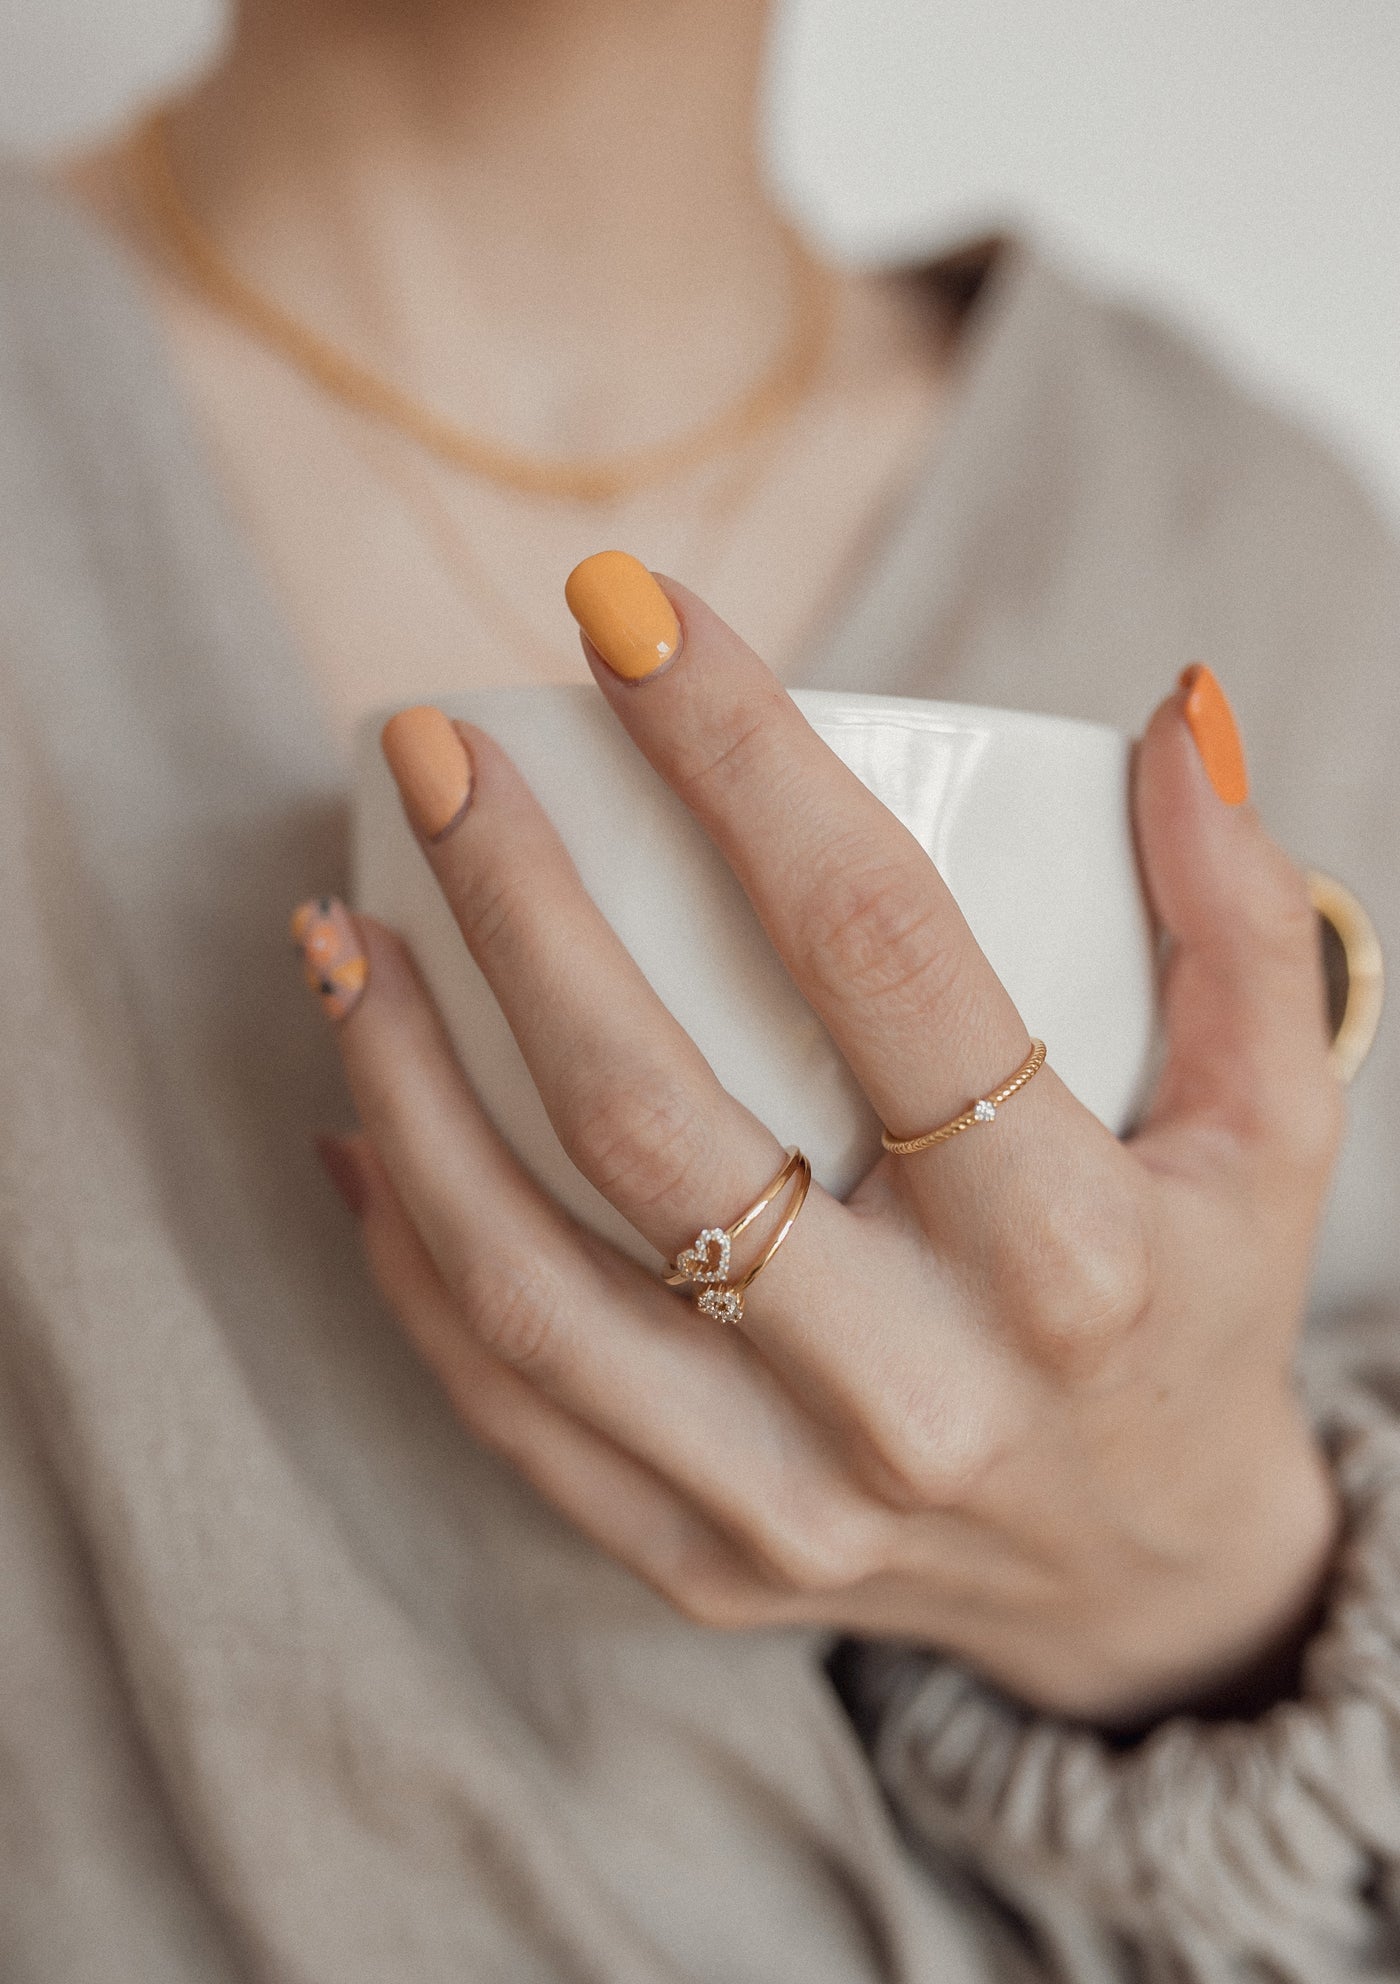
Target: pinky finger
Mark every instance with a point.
(611, 1497)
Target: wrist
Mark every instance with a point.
(1224, 1634)
(1212, 1623)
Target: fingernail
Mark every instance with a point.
(332, 956)
(1211, 722)
(343, 1172)
(624, 613)
(431, 769)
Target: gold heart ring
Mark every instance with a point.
(705, 1263)
(707, 1257)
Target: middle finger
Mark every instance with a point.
(854, 906)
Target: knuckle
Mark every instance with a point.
(395, 972)
(392, 948)
(518, 1313)
(637, 1141)
(1282, 922)
(818, 1552)
(739, 746)
(1291, 896)
(716, 1606)
(492, 905)
(1313, 1126)
(1082, 1285)
(929, 1459)
(703, 1587)
(875, 934)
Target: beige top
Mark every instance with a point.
(298, 1685)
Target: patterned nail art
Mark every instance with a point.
(335, 965)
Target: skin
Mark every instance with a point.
(451, 191)
(998, 1401)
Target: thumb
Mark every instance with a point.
(1247, 1072)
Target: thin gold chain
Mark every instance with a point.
(470, 574)
(762, 404)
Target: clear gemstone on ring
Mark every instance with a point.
(985, 1112)
(721, 1305)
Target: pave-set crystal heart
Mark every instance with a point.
(705, 1264)
(706, 1260)
(721, 1305)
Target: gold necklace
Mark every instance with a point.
(470, 575)
(346, 378)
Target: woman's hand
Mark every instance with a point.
(1026, 1396)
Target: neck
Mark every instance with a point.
(549, 213)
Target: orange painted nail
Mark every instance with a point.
(1211, 721)
(431, 769)
(332, 955)
(624, 613)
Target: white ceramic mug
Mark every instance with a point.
(1025, 816)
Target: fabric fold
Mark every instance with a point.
(1226, 1849)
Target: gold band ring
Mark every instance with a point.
(983, 1110)
(1355, 988)
(705, 1262)
(706, 1259)
(1355, 971)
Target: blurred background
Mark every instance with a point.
(1236, 162)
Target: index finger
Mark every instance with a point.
(852, 903)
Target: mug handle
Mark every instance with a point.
(1355, 968)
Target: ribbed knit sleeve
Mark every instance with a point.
(1218, 1851)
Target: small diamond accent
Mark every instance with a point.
(985, 1112)
(721, 1305)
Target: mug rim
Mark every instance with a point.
(812, 702)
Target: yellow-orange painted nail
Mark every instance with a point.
(624, 613)
(1211, 721)
(332, 956)
(431, 768)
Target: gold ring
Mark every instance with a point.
(983, 1110)
(1355, 971)
(705, 1262)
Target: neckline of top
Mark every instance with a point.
(997, 288)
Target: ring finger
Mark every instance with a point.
(632, 1099)
(617, 1501)
(585, 1327)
